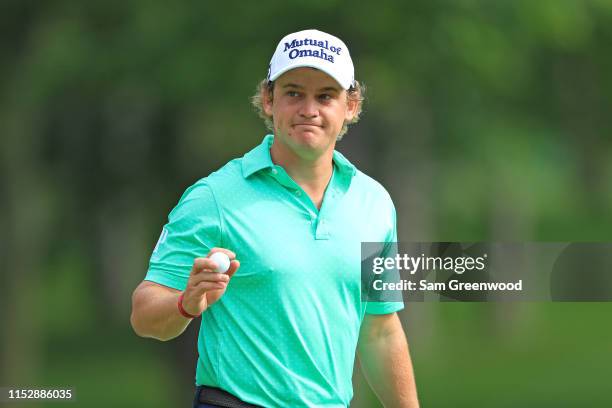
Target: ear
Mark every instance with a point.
(352, 107)
(266, 101)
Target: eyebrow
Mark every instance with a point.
(325, 89)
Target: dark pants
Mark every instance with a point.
(196, 402)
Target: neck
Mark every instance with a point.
(310, 173)
(313, 171)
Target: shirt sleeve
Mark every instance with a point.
(389, 251)
(193, 229)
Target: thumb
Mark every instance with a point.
(234, 265)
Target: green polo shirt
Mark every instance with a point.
(284, 333)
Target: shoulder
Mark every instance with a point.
(230, 171)
(205, 193)
(371, 187)
(361, 183)
(200, 196)
(197, 199)
(206, 186)
(375, 204)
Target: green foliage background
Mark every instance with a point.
(485, 120)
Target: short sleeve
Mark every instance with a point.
(389, 251)
(193, 228)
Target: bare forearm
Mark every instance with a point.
(155, 310)
(155, 314)
(387, 366)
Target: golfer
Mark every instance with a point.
(282, 326)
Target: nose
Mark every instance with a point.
(309, 108)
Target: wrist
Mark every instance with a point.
(182, 310)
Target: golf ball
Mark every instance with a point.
(222, 261)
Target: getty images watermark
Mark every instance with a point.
(456, 271)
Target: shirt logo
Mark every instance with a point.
(162, 239)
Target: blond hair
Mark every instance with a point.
(354, 93)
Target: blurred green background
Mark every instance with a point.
(485, 120)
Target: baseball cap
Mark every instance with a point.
(315, 49)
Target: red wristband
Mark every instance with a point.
(182, 311)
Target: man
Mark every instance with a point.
(282, 329)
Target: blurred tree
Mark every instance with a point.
(485, 120)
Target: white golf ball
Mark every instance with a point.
(222, 261)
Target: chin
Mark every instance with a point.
(307, 138)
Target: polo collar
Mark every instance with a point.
(344, 166)
(259, 159)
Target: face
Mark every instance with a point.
(308, 109)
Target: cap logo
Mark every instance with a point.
(315, 49)
(295, 52)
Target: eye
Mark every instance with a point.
(325, 97)
(292, 94)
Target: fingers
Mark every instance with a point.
(207, 276)
(207, 281)
(203, 265)
(213, 281)
(207, 286)
(204, 276)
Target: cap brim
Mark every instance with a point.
(308, 65)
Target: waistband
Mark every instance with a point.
(217, 396)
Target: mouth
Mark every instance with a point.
(306, 124)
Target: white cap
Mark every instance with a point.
(316, 49)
